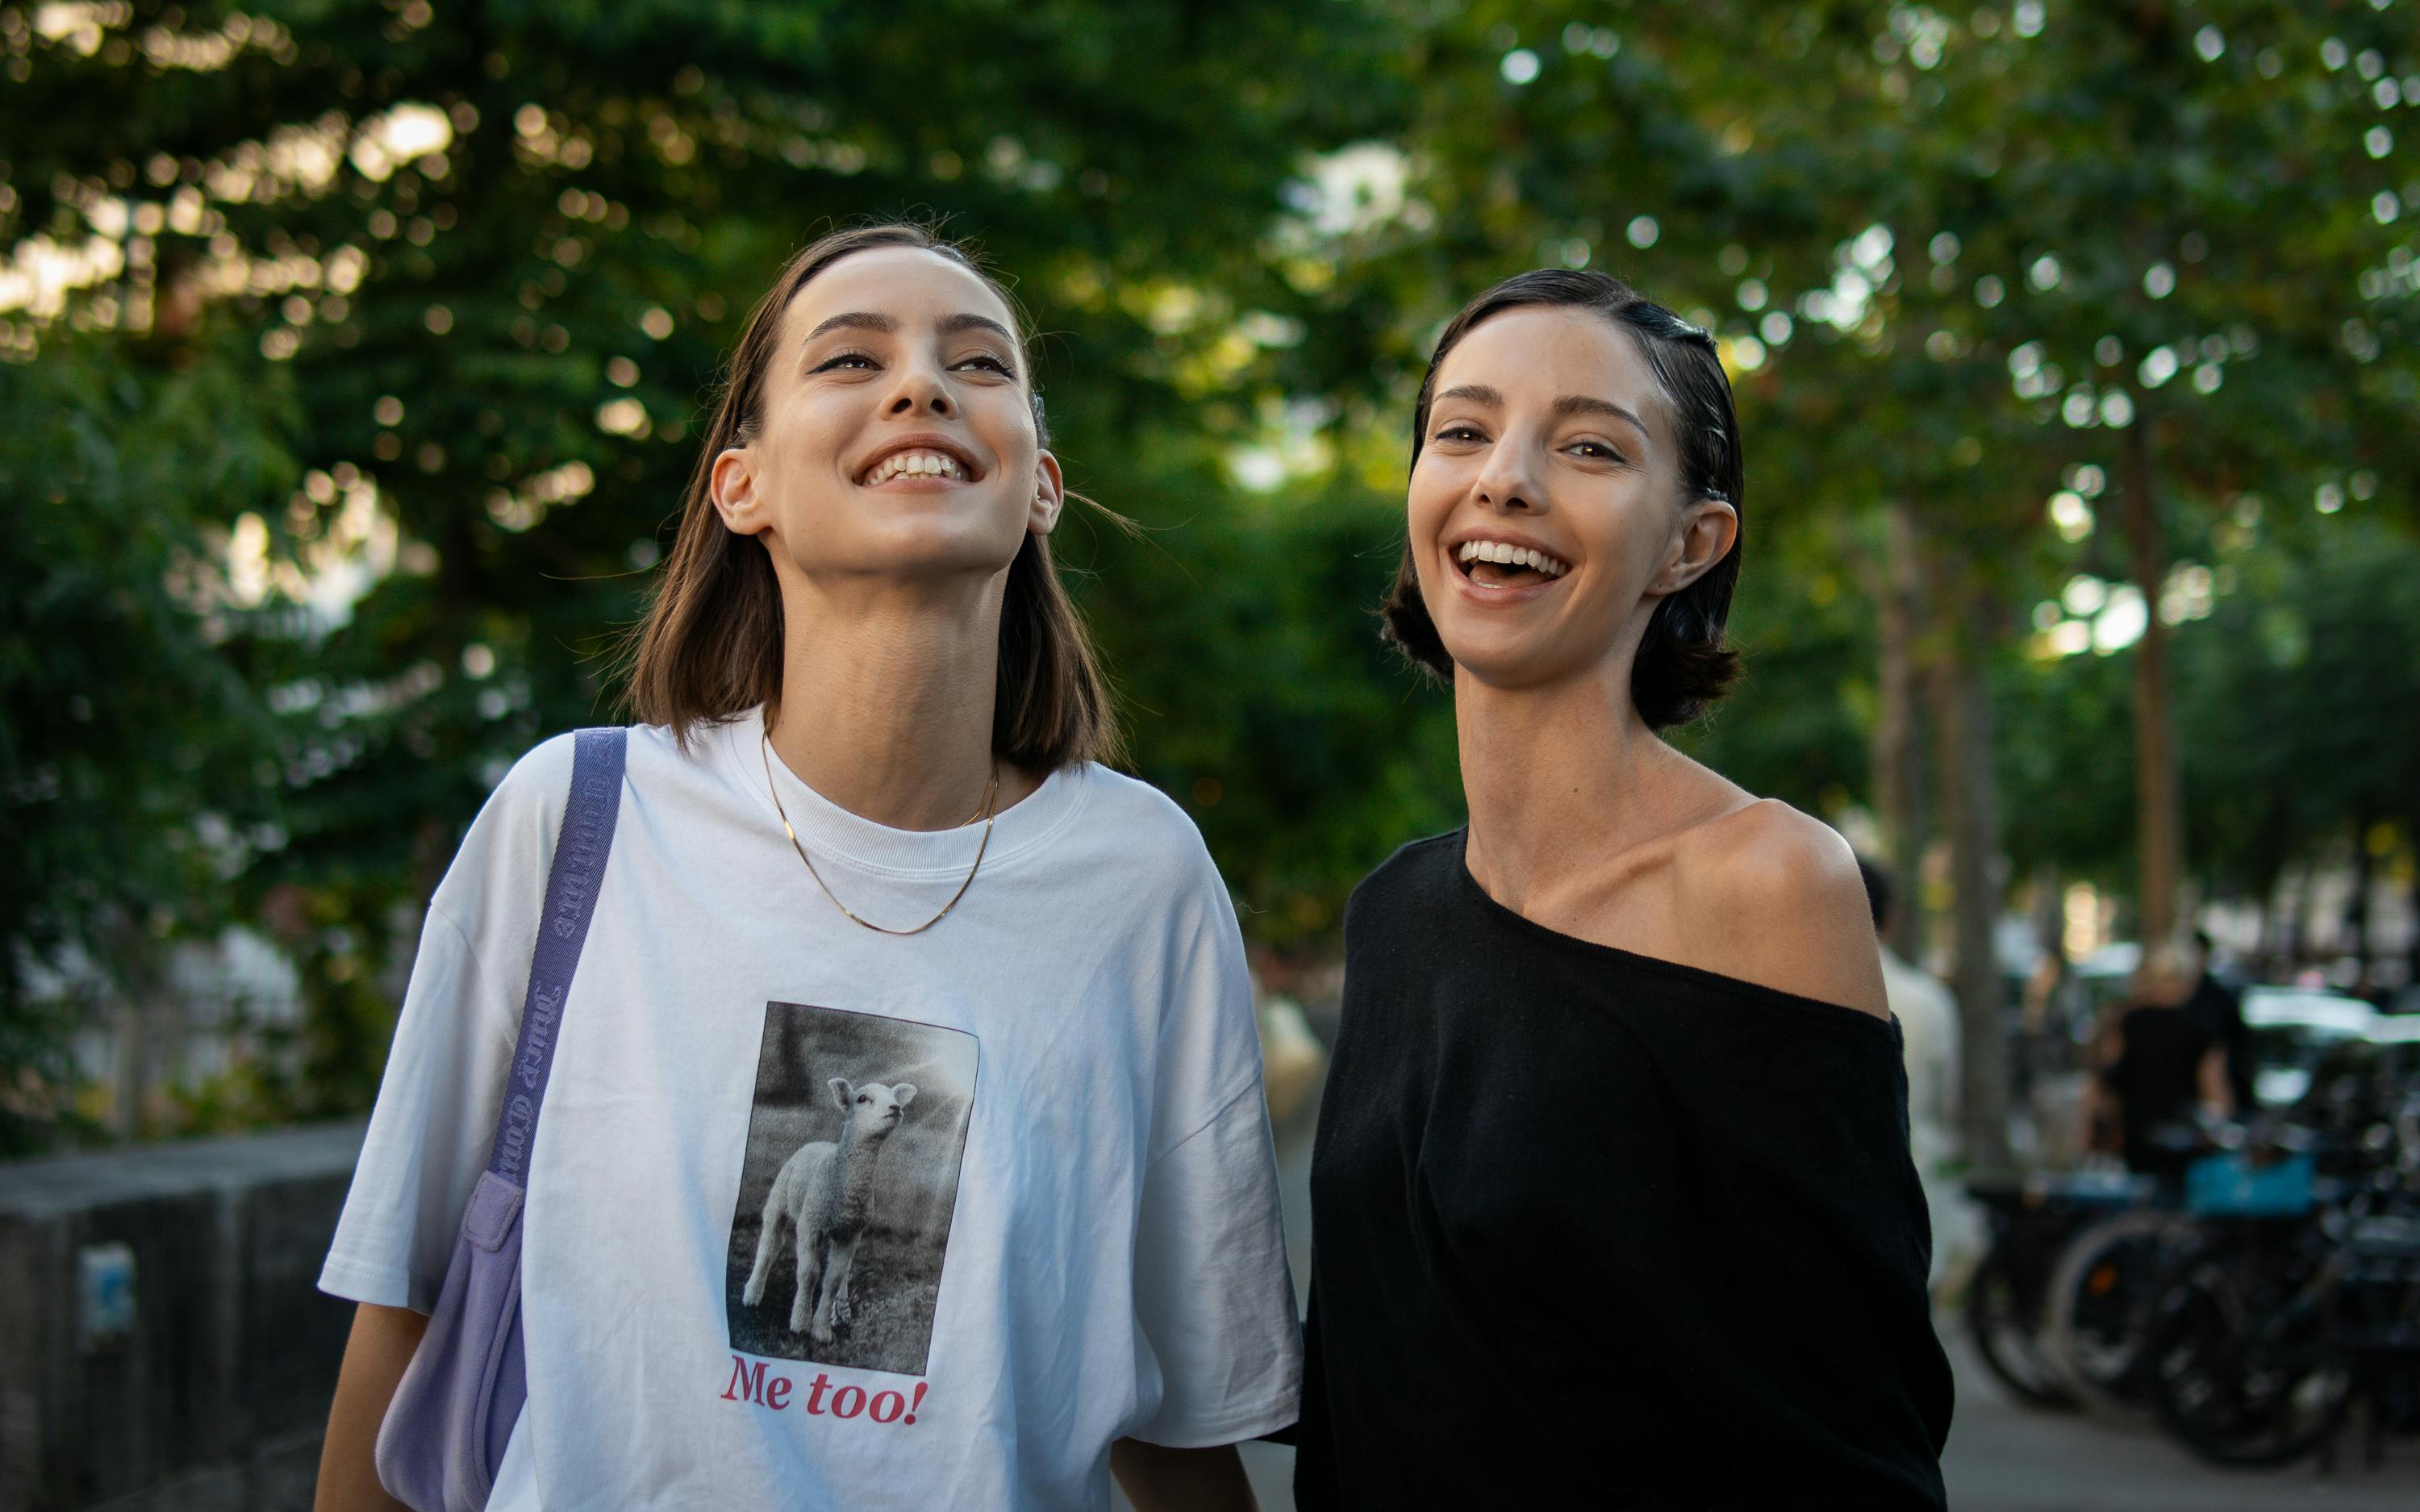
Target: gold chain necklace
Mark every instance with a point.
(984, 813)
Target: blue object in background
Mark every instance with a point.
(2226, 1185)
(104, 1293)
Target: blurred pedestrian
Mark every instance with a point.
(2217, 1011)
(1612, 1199)
(859, 640)
(2161, 1072)
(1927, 1017)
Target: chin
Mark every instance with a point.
(913, 546)
(1511, 661)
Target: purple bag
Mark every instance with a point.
(454, 1410)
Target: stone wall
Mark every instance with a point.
(211, 1391)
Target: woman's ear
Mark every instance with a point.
(1706, 531)
(1050, 494)
(732, 487)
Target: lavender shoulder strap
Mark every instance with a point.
(453, 1412)
(580, 852)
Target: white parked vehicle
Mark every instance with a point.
(2290, 1028)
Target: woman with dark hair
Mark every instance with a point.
(902, 1143)
(1612, 1201)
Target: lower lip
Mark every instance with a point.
(917, 483)
(1501, 593)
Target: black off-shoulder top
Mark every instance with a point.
(1593, 1230)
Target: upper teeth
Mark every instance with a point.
(929, 464)
(1513, 556)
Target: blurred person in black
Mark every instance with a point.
(2161, 1068)
(1612, 1203)
(2217, 1010)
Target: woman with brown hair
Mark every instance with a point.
(903, 1143)
(1612, 1201)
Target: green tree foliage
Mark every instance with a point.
(2301, 703)
(130, 730)
(1958, 259)
(487, 263)
(346, 454)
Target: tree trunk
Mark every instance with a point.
(1962, 711)
(133, 1046)
(2411, 940)
(2357, 906)
(2411, 950)
(2049, 938)
(2159, 821)
(1898, 745)
(2286, 957)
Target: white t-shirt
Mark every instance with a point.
(1028, 1148)
(1927, 1021)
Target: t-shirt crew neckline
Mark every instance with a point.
(1856, 1020)
(831, 832)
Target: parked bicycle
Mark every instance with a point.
(2273, 1329)
(2111, 1276)
(2033, 1218)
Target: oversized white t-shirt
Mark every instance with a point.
(1026, 1150)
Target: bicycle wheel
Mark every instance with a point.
(2102, 1292)
(2238, 1378)
(2003, 1322)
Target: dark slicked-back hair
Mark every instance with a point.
(710, 646)
(1879, 895)
(1683, 663)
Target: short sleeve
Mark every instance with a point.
(444, 1079)
(1214, 1299)
(429, 1135)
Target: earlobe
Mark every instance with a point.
(1050, 495)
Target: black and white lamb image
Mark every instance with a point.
(848, 1187)
(819, 1202)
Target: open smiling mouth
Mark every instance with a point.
(1501, 564)
(920, 463)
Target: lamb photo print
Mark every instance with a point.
(848, 1189)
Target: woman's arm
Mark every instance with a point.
(2217, 1092)
(382, 1345)
(1158, 1480)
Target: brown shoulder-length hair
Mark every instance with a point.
(710, 645)
(1683, 663)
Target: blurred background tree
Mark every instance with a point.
(354, 353)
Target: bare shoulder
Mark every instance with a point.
(1781, 902)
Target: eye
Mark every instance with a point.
(1594, 451)
(842, 360)
(984, 360)
(1460, 433)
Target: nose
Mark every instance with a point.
(1508, 481)
(920, 390)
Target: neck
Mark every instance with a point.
(1557, 778)
(886, 696)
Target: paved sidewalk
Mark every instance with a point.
(2006, 1457)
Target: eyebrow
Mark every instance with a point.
(1569, 405)
(870, 320)
(854, 320)
(978, 322)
